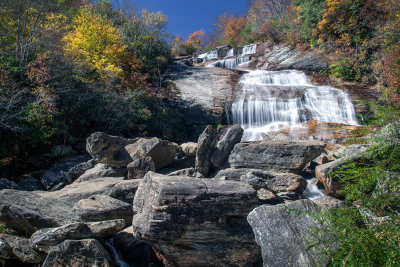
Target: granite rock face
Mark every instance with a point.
(225, 146)
(283, 233)
(86, 252)
(206, 144)
(196, 222)
(290, 156)
(16, 247)
(100, 171)
(138, 168)
(31, 211)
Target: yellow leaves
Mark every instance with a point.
(55, 22)
(96, 43)
(156, 19)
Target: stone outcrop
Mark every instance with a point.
(109, 149)
(206, 144)
(100, 171)
(49, 237)
(31, 211)
(79, 170)
(15, 247)
(283, 234)
(196, 222)
(225, 146)
(86, 252)
(290, 156)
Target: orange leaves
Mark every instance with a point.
(196, 39)
(233, 27)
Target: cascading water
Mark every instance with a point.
(249, 49)
(209, 56)
(231, 53)
(229, 63)
(274, 100)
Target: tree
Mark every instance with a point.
(233, 27)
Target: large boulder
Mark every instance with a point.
(275, 155)
(7, 184)
(284, 233)
(86, 252)
(49, 237)
(189, 149)
(31, 211)
(196, 222)
(78, 170)
(161, 151)
(206, 143)
(323, 173)
(109, 149)
(100, 171)
(225, 146)
(139, 167)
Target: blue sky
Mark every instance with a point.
(187, 16)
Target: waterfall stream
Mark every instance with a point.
(275, 100)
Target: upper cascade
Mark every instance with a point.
(276, 100)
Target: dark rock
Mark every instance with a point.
(86, 252)
(275, 155)
(206, 143)
(5, 249)
(61, 151)
(101, 171)
(78, 170)
(109, 149)
(7, 184)
(331, 184)
(20, 248)
(139, 167)
(196, 222)
(162, 152)
(29, 183)
(225, 146)
(55, 177)
(31, 211)
(49, 237)
(283, 234)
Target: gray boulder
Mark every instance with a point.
(100, 171)
(275, 155)
(206, 143)
(284, 232)
(55, 177)
(225, 146)
(109, 149)
(161, 151)
(323, 173)
(196, 222)
(139, 167)
(7, 184)
(15, 247)
(31, 211)
(189, 149)
(349, 151)
(86, 252)
(29, 183)
(78, 170)
(191, 172)
(49, 237)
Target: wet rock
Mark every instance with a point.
(162, 152)
(283, 234)
(274, 136)
(29, 183)
(138, 168)
(5, 250)
(49, 237)
(275, 155)
(225, 146)
(87, 252)
(19, 248)
(109, 149)
(55, 177)
(31, 211)
(331, 184)
(100, 171)
(206, 143)
(7, 184)
(196, 222)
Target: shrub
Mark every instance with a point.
(343, 70)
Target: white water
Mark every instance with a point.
(209, 56)
(231, 53)
(117, 255)
(229, 63)
(272, 100)
(249, 49)
(312, 191)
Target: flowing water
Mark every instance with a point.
(241, 58)
(277, 100)
(312, 191)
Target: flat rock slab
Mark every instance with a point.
(196, 222)
(31, 211)
(290, 156)
(283, 233)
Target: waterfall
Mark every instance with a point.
(312, 191)
(117, 255)
(231, 53)
(209, 56)
(273, 100)
(229, 63)
(249, 49)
